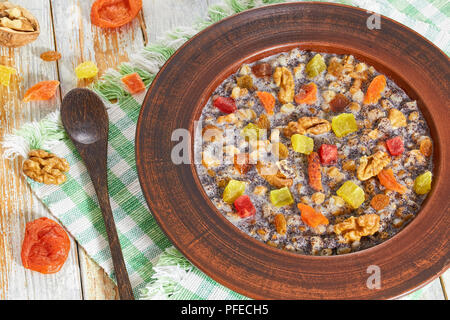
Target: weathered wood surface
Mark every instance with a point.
(66, 27)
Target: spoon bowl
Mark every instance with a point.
(85, 116)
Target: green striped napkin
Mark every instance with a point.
(156, 269)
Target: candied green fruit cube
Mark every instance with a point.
(344, 124)
(352, 194)
(422, 184)
(315, 66)
(281, 197)
(252, 132)
(302, 144)
(233, 190)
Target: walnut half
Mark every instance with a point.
(352, 229)
(285, 80)
(371, 166)
(45, 167)
(312, 125)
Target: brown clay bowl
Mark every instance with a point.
(409, 260)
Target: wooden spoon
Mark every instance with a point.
(85, 119)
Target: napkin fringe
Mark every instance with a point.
(171, 270)
(43, 134)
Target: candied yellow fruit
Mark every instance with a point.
(344, 124)
(352, 194)
(233, 190)
(86, 70)
(281, 197)
(302, 144)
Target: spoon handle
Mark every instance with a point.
(123, 281)
(96, 165)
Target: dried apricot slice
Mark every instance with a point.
(375, 89)
(267, 100)
(314, 174)
(114, 13)
(311, 217)
(307, 94)
(133, 82)
(45, 247)
(388, 180)
(43, 90)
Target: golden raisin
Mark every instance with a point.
(426, 147)
(51, 56)
(379, 202)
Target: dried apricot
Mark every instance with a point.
(375, 89)
(43, 90)
(388, 180)
(45, 247)
(133, 82)
(314, 174)
(311, 217)
(379, 202)
(267, 100)
(50, 56)
(114, 13)
(307, 94)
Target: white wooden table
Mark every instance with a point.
(65, 27)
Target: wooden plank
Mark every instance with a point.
(163, 16)
(432, 291)
(445, 283)
(78, 41)
(17, 204)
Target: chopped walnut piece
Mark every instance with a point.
(413, 116)
(349, 165)
(371, 166)
(45, 167)
(354, 107)
(312, 125)
(397, 118)
(318, 197)
(285, 80)
(238, 92)
(335, 174)
(273, 175)
(211, 133)
(260, 190)
(352, 229)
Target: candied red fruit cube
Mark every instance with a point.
(395, 146)
(328, 153)
(224, 104)
(244, 206)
